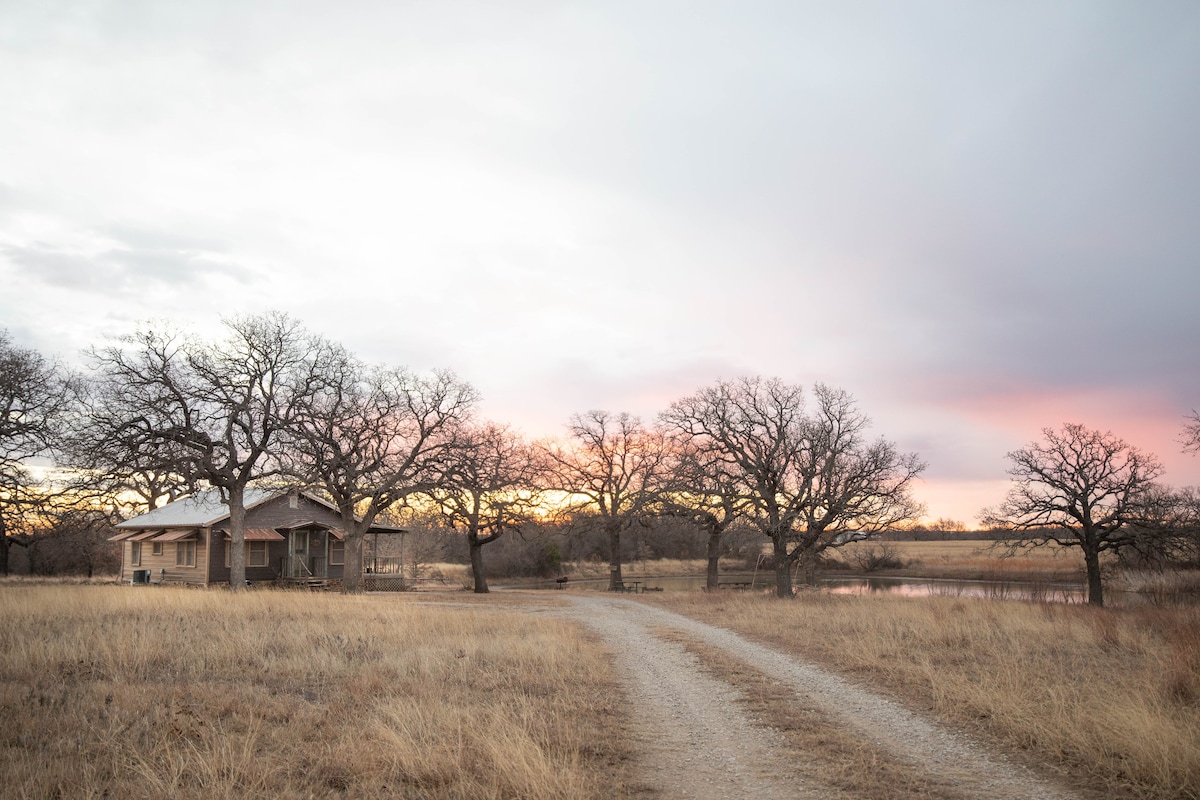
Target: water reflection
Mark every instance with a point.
(1044, 592)
(930, 587)
(908, 587)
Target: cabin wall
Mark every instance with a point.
(278, 513)
(219, 573)
(274, 514)
(163, 567)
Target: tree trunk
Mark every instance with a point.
(1091, 558)
(616, 583)
(809, 560)
(237, 538)
(481, 586)
(4, 545)
(783, 567)
(352, 569)
(714, 555)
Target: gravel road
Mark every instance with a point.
(698, 743)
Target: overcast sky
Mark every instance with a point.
(980, 219)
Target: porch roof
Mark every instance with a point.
(338, 533)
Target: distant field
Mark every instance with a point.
(973, 560)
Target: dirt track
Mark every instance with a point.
(698, 743)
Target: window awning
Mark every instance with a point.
(263, 535)
(176, 536)
(255, 535)
(120, 537)
(144, 535)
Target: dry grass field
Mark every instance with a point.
(1111, 697)
(112, 691)
(973, 560)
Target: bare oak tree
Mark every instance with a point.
(701, 489)
(858, 487)
(1191, 433)
(216, 409)
(806, 482)
(612, 466)
(1080, 488)
(373, 437)
(109, 456)
(750, 434)
(37, 398)
(487, 488)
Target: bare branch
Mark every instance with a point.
(1079, 488)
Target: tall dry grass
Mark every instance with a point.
(1111, 696)
(165, 692)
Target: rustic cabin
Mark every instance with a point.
(292, 537)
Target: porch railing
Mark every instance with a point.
(292, 567)
(382, 565)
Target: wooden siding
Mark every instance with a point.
(162, 567)
(278, 513)
(276, 552)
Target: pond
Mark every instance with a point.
(858, 585)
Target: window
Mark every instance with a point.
(337, 552)
(156, 548)
(135, 553)
(185, 554)
(257, 554)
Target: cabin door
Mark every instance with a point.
(298, 554)
(319, 553)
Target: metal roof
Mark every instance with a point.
(197, 510)
(204, 509)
